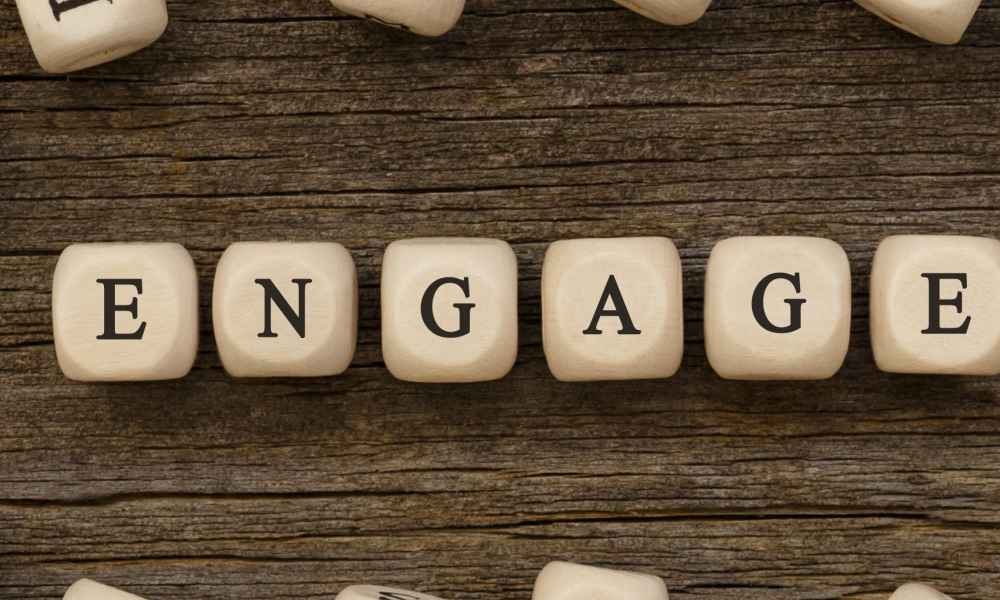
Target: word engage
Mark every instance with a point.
(775, 308)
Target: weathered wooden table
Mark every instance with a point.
(534, 120)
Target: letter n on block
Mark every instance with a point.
(612, 309)
(125, 312)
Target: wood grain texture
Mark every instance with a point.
(534, 120)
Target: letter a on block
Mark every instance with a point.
(125, 312)
(612, 309)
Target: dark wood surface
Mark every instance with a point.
(534, 120)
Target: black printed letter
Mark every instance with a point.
(757, 304)
(464, 309)
(935, 302)
(272, 295)
(613, 293)
(110, 308)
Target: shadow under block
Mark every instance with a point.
(918, 591)
(380, 592)
(449, 309)
(669, 12)
(612, 309)
(69, 35)
(285, 309)
(568, 581)
(423, 17)
(940, 21)
(777, 308)
(935, 305)
(125, 312)
(85, 589)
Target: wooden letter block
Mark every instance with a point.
(423, 17)
(777, 308)
(612, 309)
(670, 12)
(125, 312)
(449, 309)
(380, 592)
(918, 591)
(85, 589)
(935, 305)
(69, 35)
(569, 581)
(285, 309)
(941, 21)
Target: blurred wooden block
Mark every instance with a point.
(86, 589)
(612, 309)
(125, 312)
(423, 17)
(380, 592)
(69, 35)
(670, 12)
(918, 591)
(777, 308)
(568, 581)
(285, 309)
(941, 21)
(449, 309)
(935, 305)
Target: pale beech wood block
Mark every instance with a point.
(670, 12)
(449, 309)
(125, 312)
(69, 35)
(935, 305)
(777, 308)
(86, 589)
(569, 581)
(380, 592)
(918, 591)
(423, 17)
(285, 309)
(941, 21)
(612, 309)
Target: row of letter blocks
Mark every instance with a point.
(775, 308)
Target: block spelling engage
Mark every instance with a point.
(569, 581)
(940, 21)
(935, 305)
(86, 589)
(670, 12)
(69, 35)
(777, 308)
(612, 309)
(449, 309)
(285, 309)
(125, 312)
(423, 17)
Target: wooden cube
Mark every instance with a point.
(941, 21)
(918, 591)
(777, 308)
(285, 309)
(69, 35)
(568, 581)
(935, 305)
(423, 17)
(86, 589)
(125, 312)
(670, 12)
(380, 592)
(449, 309)
(612, 309)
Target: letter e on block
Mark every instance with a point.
(125, 312)
(935, 305)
